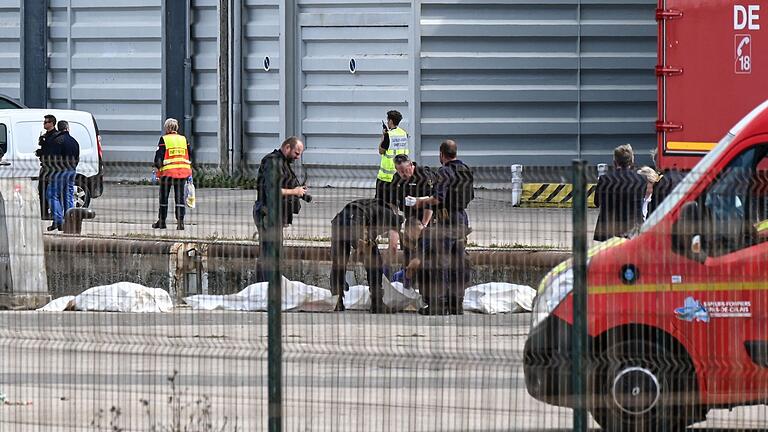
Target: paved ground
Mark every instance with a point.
(342, 372)
(226, 214)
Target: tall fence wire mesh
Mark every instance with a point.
(166, 329)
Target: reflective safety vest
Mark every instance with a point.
(176, 162)
(398, 144)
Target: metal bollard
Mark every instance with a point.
(517, 184)
(73, 219)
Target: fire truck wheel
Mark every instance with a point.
(640, 385)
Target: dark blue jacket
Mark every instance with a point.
(454, 191)
(66, 152)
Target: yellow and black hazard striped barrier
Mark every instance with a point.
(552, 195)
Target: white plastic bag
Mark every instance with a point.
(296, 296)
(189, 193)
(118, 297)
(499, 297)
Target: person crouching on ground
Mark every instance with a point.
(356, 226)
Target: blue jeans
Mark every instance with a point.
(61, 194)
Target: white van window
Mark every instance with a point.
(3, 139)
(28, 132)
(80, 133)
(26, 135)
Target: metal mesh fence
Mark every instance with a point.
(661, 320)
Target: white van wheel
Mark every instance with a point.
(82, 195)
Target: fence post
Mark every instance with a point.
(579, 329)
(271, 246)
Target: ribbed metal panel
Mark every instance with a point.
(106, 58)
(205, 81)
(618, 83)
(515, 81)
(261, 85)
(536, 82)
(341, 111)
(10, 49)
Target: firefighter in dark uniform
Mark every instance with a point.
(291, 191)
(411, 180)
(356, 226)
(445, 266)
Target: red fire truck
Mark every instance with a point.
(712, 69)
(677, 315)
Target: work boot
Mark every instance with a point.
(455, 306)
(437, 307)
(160, 224)
(180, 225)
(54, 227)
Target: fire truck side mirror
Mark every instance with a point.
(686, 233)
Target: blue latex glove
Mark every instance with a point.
(399, 276)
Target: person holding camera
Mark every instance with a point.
(278, 165)
(394, 141)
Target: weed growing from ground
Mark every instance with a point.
(186, 415)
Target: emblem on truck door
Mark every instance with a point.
(629, 274)
(692, 310)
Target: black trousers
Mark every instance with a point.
(166, 183)
(446, 270)
(42, 187)
(343, 239)
(262, 264)
(382, 190)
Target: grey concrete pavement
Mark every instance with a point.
(226, 214)
(342, 372)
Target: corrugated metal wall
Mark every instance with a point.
(341, 110)
(262, 67)
(205, 81)
(618, 83)
(10, 49)
(106, 58)
(519, 81)
(537, 82)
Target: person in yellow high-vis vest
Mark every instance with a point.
(394, 141)
(174, 167)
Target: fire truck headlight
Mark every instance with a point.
(551, 295)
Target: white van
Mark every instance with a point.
(19, 133)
